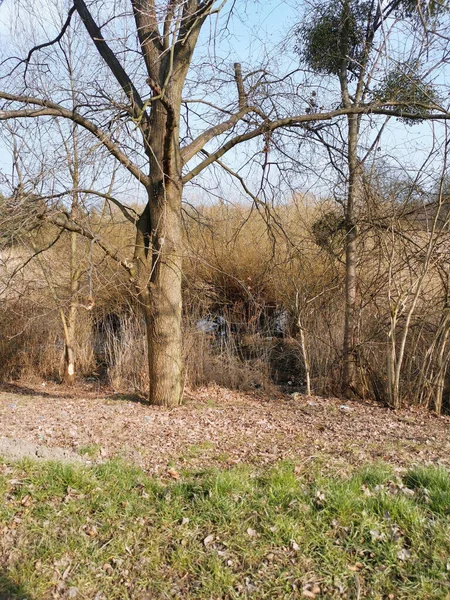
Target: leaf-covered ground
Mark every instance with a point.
(218, 427)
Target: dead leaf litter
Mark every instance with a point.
(215, 426)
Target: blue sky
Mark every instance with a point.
(258, 27)
(266, 20)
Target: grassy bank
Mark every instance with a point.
(110, 532)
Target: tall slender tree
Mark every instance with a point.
(349, 41)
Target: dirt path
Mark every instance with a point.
(216, 426)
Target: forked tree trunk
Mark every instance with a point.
(70, 322)
(159, 245)
(70, 332)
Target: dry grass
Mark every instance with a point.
(33, 346)
(244, 265)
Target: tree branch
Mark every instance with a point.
(199, 143)
(22, 266)
(302, 120)
(149, 37)
(194, 15)
(51, 109)
(125, 210)
(63, 221)
(55, 41)
(242, 96)
(110, 58)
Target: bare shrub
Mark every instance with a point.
(125, 352)
(31, 343)
(246, 275)
(209, 360)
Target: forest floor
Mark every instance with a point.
(215, 427)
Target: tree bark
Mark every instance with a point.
(158, 254)
(69, 361)
(165, 302)
(349, 379)
(71, 321)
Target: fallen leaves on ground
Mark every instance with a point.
(217, 425)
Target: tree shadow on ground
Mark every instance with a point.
(138, 398)
(12, 591)
(22, 390)
(78, 391)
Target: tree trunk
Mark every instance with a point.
(70, 324)
(69, 362)
(164, 314)
(158, 260)
(304, 348)
(349, 383)
(158, 249)
(349, 370)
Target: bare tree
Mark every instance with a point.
(369, 70)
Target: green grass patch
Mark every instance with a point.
(110, 532)
(90, 450)
(197, 450)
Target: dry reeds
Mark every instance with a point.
(249, 270)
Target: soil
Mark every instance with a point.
(19, 448)
(215, 426)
